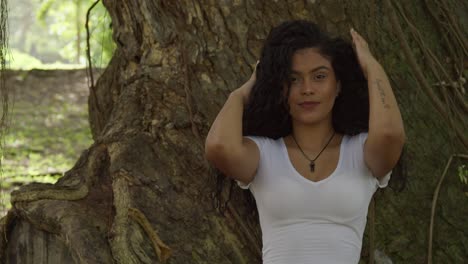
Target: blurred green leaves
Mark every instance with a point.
(51, 34)
(463, 174)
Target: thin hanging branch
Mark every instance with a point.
(434, 202)
(90, 66)
(88, 46)
(419, 74)
(436, 68)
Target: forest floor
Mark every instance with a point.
(48, 127)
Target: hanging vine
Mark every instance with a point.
(447, 90)
(453, 107)
(4, 90)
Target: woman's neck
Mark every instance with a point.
(312, 137)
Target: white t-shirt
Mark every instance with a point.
(306, 222)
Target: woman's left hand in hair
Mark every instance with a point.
(364, 56)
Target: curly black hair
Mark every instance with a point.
(267, 114)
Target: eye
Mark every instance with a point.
(294, 79)
(320, 76)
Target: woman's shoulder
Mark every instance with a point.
(263, 141)
(262, 138)
(355, 139)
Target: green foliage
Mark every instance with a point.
(463, 174)
(22, 61)
(42, 12)
(56, 34)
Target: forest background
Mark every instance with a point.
(49, 115)
(49, 122)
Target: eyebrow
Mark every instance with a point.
(313, 70)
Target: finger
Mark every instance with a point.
(353, 34)
(255, 67)
(353, 43)
(358, 42)
(357, 36)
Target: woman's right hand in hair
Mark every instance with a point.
(246, 88)
(225, 146)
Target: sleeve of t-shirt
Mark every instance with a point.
(260, 141)
(382, 182)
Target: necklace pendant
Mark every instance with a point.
(312, 166)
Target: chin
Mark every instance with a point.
(310, 118)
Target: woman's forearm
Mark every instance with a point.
(384, 117)
(226, 130)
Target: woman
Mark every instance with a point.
(324, 132)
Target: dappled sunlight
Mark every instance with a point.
(48, 131)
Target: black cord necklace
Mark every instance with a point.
(312, 161)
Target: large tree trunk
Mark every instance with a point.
(143, 190)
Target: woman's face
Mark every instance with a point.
(313, 87)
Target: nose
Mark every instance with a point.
(308, 87)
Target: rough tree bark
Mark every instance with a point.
(142, 191)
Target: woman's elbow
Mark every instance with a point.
(213, 150)
(395, 138)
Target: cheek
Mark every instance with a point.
(331, 90)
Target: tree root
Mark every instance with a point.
(71, 186)
(50, 216)
(118, 241)
(89, 173)
(120, 230)
(162, 250)
(36, 191)
(79, 238)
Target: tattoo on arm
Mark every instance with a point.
(378, 84)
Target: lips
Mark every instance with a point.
(309, 104)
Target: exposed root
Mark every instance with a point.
(46, 222)
(162, 250)
(36, 191)
(75, 185)
(69, 187)
(119, 243)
